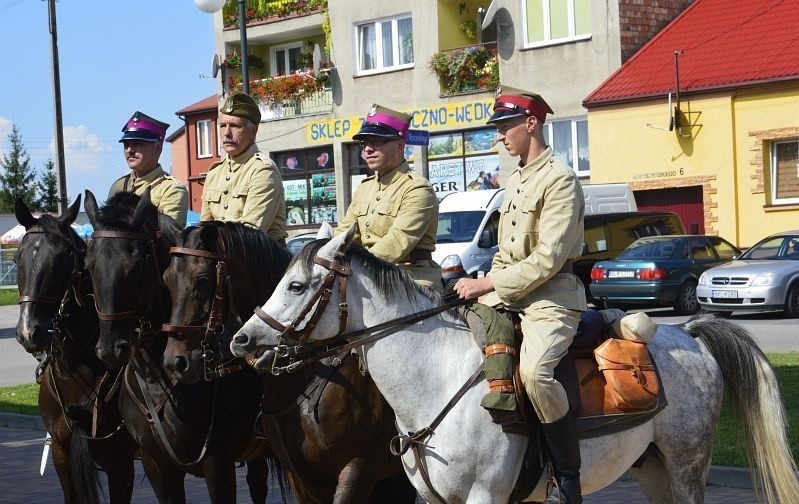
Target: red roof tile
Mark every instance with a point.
(210, 103)
(724, 44)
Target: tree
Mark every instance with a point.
(47, 189)
(18, 179)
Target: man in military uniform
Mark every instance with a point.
(395, 208)
(541, 233)
(246, 186)
(142, 141)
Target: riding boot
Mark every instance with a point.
(561, 436)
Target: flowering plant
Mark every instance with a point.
(232, 61)
(274, 91)
(265, 9)
(466, 69)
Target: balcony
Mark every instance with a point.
(264, 11)
(466, 70)
(287, 96)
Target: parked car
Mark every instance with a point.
(296, 243)
(659, 271)
(764, 278)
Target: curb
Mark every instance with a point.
(732, 477)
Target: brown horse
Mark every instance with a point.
(328, 424)
(200, 428)
(58, 324)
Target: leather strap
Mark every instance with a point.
(504, 386)
(417, 255)
(499, 348)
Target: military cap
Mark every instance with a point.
(241, 105)
(384, 122)
(143, 127)
(511, 102)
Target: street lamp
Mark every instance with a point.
(212, 6)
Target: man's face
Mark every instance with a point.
(382, 154)
(514, 134)
(141, 156)
(236, 133)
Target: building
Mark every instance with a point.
(317, 67)
(706, 117)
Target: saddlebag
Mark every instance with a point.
(631, 383)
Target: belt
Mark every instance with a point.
(417, 255)
(567, 267)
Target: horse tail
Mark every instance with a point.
(751, 386)
(84, 472)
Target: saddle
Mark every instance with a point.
(609, 376)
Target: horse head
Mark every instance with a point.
(220, 272)
(49, 263)
(126, 257)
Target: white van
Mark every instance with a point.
(468, 224)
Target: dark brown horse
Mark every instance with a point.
(58, 324)
(328, 424)
(200, 428)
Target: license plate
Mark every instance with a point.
(729, 294)
(621, 274)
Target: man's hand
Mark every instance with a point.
(471, 288)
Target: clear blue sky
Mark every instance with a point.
(116, 57)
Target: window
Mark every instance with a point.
(569, 141)
(357, 169)
(284, 59)
(785, 171)
(554, 21)
(463, 161)
(385, 45)
(204, 139)
(309, 185)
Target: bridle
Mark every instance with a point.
(142, 312)
(215, 326)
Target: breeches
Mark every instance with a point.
(548, 332)
(426, 273)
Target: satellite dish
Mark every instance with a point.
(215, 65)
(317, 58)
(490, 12)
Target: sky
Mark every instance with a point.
(115, 57)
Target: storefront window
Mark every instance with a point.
(309, 184)
(463, 161)
(357, 169)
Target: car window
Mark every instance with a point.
(457, 227)
(724, 249)
(766, 249)
(701, 249)
(650, 249)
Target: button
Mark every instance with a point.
(513, 223)
(514, 206)
(224, 192)
(227, 178)
(367, 224)
(518, 191)
(373, 211)
(512, 238)
(224, 206)
(368, 236)
(378, 198)
(222, 218)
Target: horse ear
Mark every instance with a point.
(145, 212)
(23, 214)
(90, 205)
(325, 231)
(71, 213)
(340, 243)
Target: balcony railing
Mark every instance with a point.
(266, 10)
(464, 70)
(320, 102)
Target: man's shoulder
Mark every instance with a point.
(121, 180)
(215, 164)
(262, 160)
(173, 182)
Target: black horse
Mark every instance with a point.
(328, 424)
(200, 428)
(58, 324)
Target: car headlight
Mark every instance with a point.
(704, 279)
(451, 263)
(763, 279)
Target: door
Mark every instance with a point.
(684, 201)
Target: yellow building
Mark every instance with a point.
(707, 116)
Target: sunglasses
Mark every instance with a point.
(375, 142)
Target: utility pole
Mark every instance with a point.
(61, 174)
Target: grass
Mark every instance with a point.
(9, 297)
(728, 449)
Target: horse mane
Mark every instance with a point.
(388, 277)
(117, 215)
(53, 225)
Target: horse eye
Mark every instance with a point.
(202, 280)
(296, 287)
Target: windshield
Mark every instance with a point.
(650, 249)
(456, 227)
(775, 247)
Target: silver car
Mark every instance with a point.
(764, 278)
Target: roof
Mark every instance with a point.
(210, 103)
(723, 45)
(171, 138)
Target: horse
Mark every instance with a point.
(322, 423)
(200, 428)
(58, 324)
(462, 456)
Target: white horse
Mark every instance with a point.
(468, 457)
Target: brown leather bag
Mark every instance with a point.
(631, 383)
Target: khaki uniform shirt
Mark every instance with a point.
(397, 213)
(246, 189)
(540, 228)
(167, 193)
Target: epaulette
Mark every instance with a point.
(264, 158)
(214, 165)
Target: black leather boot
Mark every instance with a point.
(561, 437)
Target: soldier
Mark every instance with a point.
(395, 208)
(142, 141)
(246, 186)
(541, 233)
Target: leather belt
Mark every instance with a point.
(417, 255)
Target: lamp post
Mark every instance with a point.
(212, 6)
